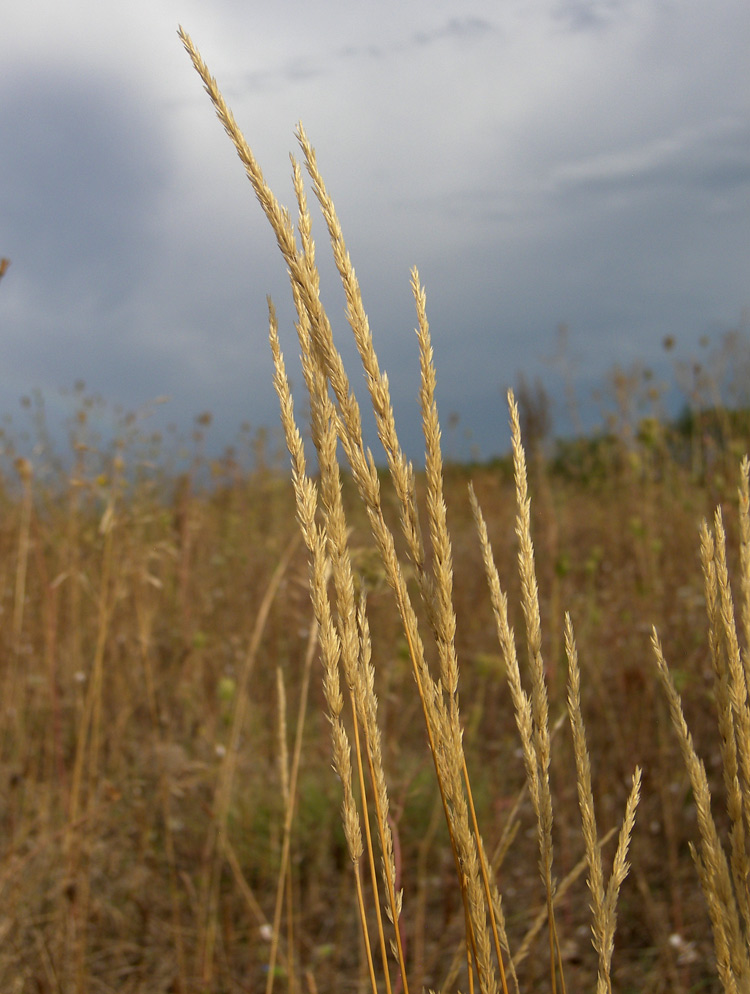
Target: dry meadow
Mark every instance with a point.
(362, 727)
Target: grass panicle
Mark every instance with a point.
(723, 876)
(344, 629)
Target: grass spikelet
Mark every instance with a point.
(604, 900)
(541, 793)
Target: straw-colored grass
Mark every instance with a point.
(723, 877)
(342, 617)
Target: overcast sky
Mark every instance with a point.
(584, 162)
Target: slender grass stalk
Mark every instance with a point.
(88, 746)
(290, 796)
(215, 849)
(26, 474)
(145, 609)
(13, 683)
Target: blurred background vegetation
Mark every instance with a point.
(154, 604)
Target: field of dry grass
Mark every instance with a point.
(482, 660)
(144, 620)
(155, 632)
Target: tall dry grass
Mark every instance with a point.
(341, 613)
(723, 875)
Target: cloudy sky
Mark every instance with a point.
(584, 162)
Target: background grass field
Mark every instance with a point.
(130, 602)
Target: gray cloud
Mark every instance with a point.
(296, 72)
(589, 15)
(456, 29)
(460, 30)
(715, 155)
(369, 51)
(77, 184)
